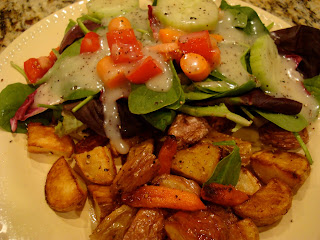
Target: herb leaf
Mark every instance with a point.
(228, 169)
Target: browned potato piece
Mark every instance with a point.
(188, 129)
(244, 230)
(271, 134)
(197, 162)
(97, 165)
(196, 225)
(148, 224)
(267, 205)
(42, 139)
(247, 182)
(104, 201)
(292, 168)
(244, 146)
(141, 167)
(115, 225)
(64, 189)
(177, 182)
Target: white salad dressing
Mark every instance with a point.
(232, 48)
(112, 121)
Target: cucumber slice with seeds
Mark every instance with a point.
(265, 62)
(187, 15)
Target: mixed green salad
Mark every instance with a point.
(249, 71)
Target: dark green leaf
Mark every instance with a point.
(160, 119)
(79, 94)
(143, 100)
(313, 86)
(228, 169)
(292, 123)
(245, 18)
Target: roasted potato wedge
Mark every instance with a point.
(104, 201)
(177, 182)
(197, 162)
(188, 129)
(141, 167)
(97, 165)
(271, 134)
(244, 146)
(42, 139)
(292, 168)
(115, 225)
(64, 189)
(267, 205)
(247, 183)
(148, 224)
(244, 230)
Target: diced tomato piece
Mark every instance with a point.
(111, 74)
(198, 42)
(124, 46)
(145, 70)
(90, 43)
(35, 69)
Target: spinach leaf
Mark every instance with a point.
(292, 123)
(79, 94)
(228, 169)
(160, 119)
(11, 98)
(216, 111)
(245, 18)
(72, 50)
(313, 86)
(143, 100)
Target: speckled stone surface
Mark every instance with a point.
(16, 16)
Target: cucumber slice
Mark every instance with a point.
(265, 62)
(111, 8)
(188, 15)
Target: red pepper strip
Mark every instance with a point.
(166, 153)
(197, 42)
(147, 69)
(90, 43)
(124, 46)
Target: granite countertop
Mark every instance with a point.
(16, 16)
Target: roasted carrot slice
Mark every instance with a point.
(166, 153)
(225, 195)
(163, 197)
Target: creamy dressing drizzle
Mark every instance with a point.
(112, 121)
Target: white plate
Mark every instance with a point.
(24, 213)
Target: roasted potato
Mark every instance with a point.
(244, 230)
(104, 201)
(247, 182)
(64, 189)
(197, 162)
(244, 146)
(267, 205)
(196, 225)
(271, 134)
(97, 165)
(148, 224)
(115, 225)
(188, 129)
(141, 167)
(42, 139)
(292, 168)
(177, 182)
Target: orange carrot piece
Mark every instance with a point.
(163, 197)
(223, 194)
(166, 153)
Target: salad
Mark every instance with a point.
(134, 77)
